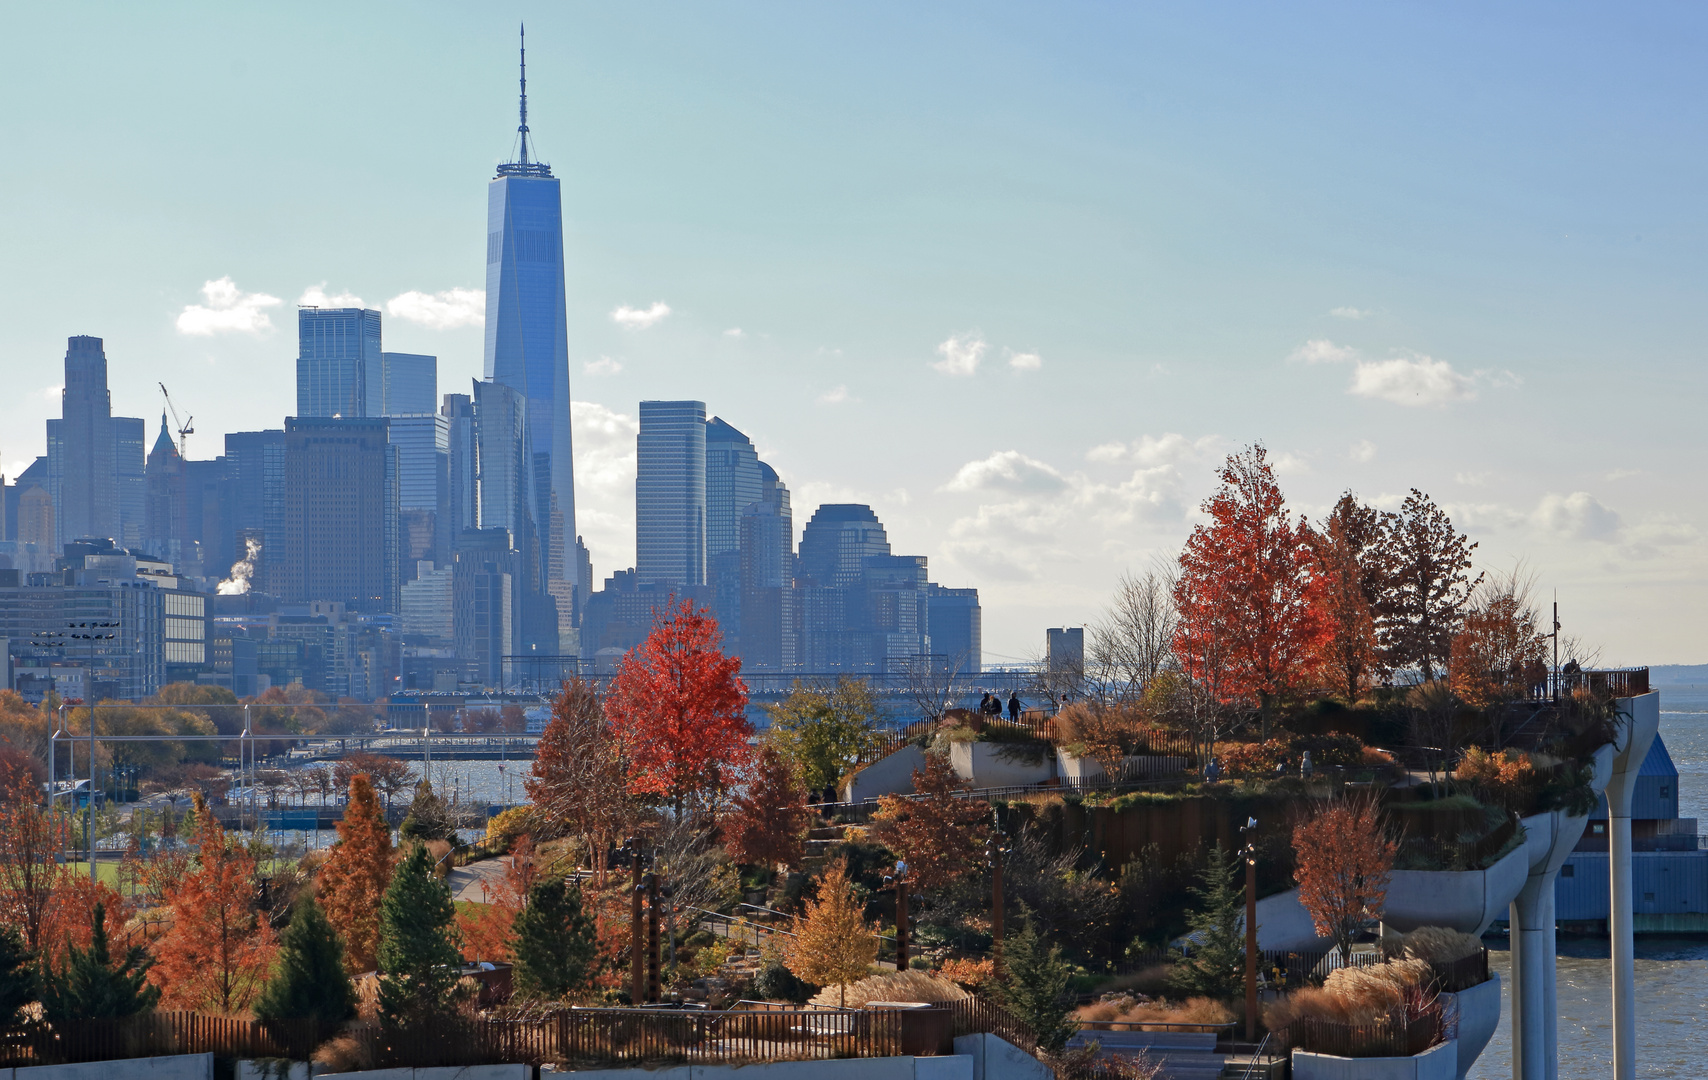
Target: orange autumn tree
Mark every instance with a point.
(486, 926)
(216, 956)
(939, 834)
(767, 825)
(31, 840)
(1251, 622)
(1349, 554)
(1344, 857)
(679, 709)
(356, 874)
(577, 778)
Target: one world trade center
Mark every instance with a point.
(527, 344)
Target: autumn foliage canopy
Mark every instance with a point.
(1344, 856)
(678, 708)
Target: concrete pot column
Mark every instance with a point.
(1549, 840)
(1640, 720)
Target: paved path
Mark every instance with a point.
(466, 881)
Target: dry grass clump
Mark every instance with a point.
(1437, 945)
(1124, 1010)
(1353, 995)
(894, 986)
(345, 1053)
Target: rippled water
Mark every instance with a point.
(1671, 973)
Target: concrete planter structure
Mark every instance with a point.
(1436, 1063)
(994, 764)
(1478, 1010)
(1464, 900)
(893, 775)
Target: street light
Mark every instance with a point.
(899, 881)
(1249, 852)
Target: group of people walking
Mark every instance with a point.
(991, 705)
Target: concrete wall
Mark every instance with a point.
(1465, 900)
(998, 1059)
(1436, 1063)
(1479, 1015)
(956, 1067)
(893, 775)
(1283, 923)
(472, 1072)
(174, 1067)
(989, 764)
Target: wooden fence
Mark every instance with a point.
(1388, 1038)
(155, 1034)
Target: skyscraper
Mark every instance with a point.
(338, 349)
(527, 334)
(83, 474)
(255, 469)
(168, 526)
(670, 493)
(408, 384)
(340, 529)
(732, 484)
(837, 540)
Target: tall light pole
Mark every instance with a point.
(1249, 851)
(899, 880)
(995, 848)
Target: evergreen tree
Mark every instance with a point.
(1034, 986)
(552, 941)
(310, 981)
(1215, 967)
(428, 819)
(18, 983)
(91, 987)
(419, 956)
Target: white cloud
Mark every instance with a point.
(1322, 351)
(226, 309)
(1026, 361)
(317, 296)
(1286, 464)
(1578, 516)
(1151, 451)
(640, 318)
(1349, 313)
(53, 393)
(1472, 479)
(1418, 381)
(734, 332)
(441, 310)
(602, 366)
(1361, 451)
(961, 354)
(1502, 379)
(835, 396)
(1006, 470)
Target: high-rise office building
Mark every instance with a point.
(769, 615)
(527, 334)
(338, 350)
(670, 493)
(408, 383)
(130, 437)
(82, 448)
(255, 473)
(462, 464)
(836, 542)
(732, 484)
(956, 626)
(340, 528)
(166, 533)
(423, 458)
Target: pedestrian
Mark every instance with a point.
(1014, 706)
(1212, 771)
(984, 704)
(1305, 768)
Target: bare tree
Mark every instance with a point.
(1132, 643)
(931, 682)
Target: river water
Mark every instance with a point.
(1671, 972)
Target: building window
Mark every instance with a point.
(1598, 828)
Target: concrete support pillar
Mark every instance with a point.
(1532, 918)
(1640, 719)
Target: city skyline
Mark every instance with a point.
(1056, 363)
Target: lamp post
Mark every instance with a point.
(631, 850)
(1249, 851)
(994, 849)
(899, 880)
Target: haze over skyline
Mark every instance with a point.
(1017, 278)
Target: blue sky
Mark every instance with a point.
(1017, 276)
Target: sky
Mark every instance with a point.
(1018, 276)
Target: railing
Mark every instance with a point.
(1385, 1038)
(1461, 974)
(976, 1015)
(156, 1034)
(1451, 854)
(1286, 969)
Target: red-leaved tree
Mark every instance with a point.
(216, 955)
(939, 833)
(1250, 619)
(678, 707)
(767, 825)
(356, 874)
(1344, 857)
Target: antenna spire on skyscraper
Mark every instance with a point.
(522, 128)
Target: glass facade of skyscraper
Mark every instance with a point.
(408, 384)
(527, 336)
(670, 493)
(337, 350)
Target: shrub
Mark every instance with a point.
(970, 974)
(894, 986)
(503, 829)
(1159, 1013)
(777, 983)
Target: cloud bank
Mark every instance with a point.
(226, 309)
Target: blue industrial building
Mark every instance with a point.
(1669, 868)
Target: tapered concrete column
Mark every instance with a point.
(1640, 720)
(1548, 840)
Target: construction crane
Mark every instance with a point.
(185, 427)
